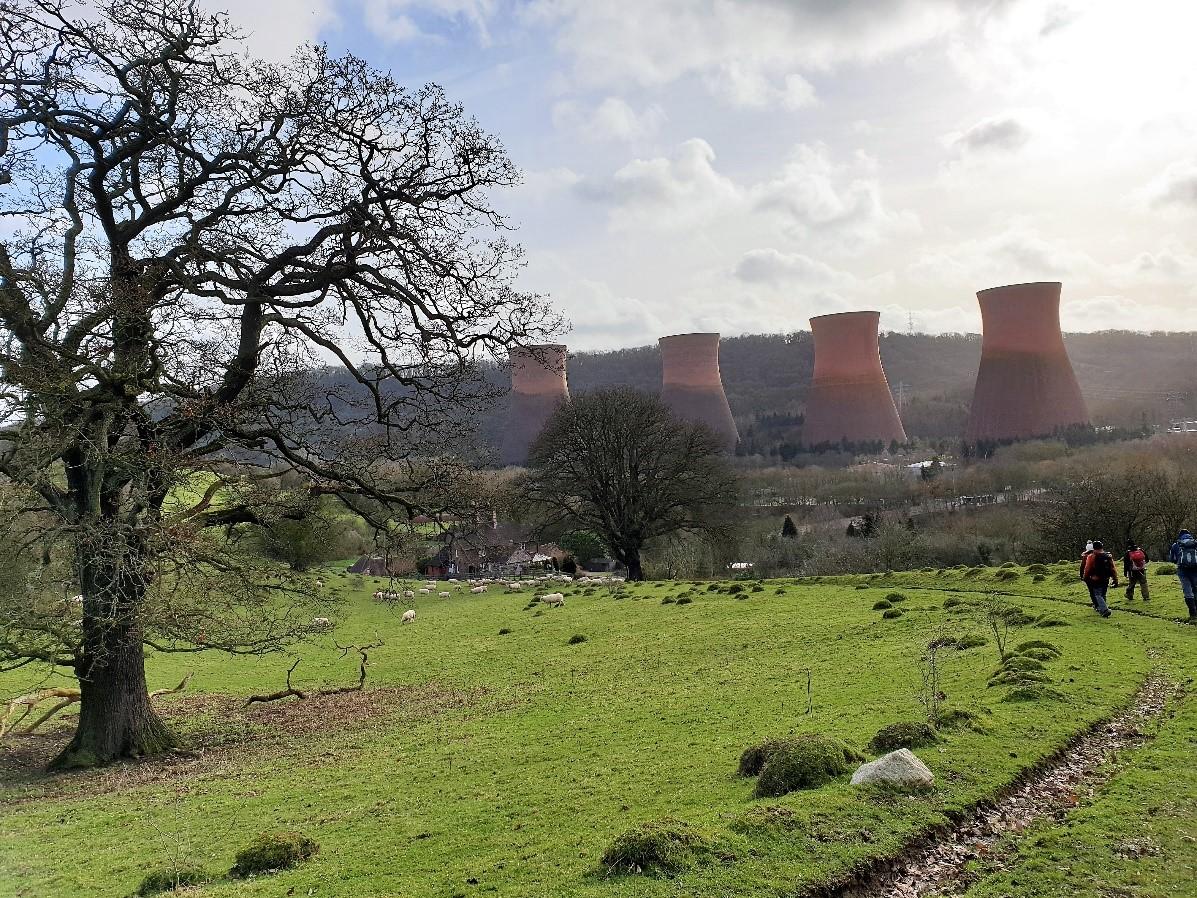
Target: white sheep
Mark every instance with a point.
(554, 599)
(445, 595)
(477, 589)
(409, 616)
(409, 594)
(423, 592)
(322, 623)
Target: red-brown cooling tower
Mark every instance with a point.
(1025, 384)
(849, 397)
(691, 384)
(538, 386)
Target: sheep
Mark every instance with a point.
(554, 600)
(409, 616)
(409, 594)
(378, 595)
(477, 589)
(423, 592)
(445, 595)
(322, 623)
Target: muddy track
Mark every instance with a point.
(935, 862)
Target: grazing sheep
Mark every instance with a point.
(423, 592)
(378, 595)
(445, 595)
(409, 594)
(554, 599)
(478, 589)
(321, 622)
(409, 616)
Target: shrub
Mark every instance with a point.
(753, 758)
(895, 597)
(504, 631)
(804, 762)
(765, 818)
(685, 600)
(891, 613)
(170, 880)
(273, 851)
(660, 846)
(1165, 569)
(882, 604)
(576, 639)
(904, 734)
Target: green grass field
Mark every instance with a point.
(487, 764)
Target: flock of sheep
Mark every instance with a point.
(552, 599)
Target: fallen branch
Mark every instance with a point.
(31, 701)
(282, 693)
(179, 688)
(361, 677)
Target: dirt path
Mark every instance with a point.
(936, 864)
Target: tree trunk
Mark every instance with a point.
(632, 560)
(116, 719)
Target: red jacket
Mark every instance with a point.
(1097, 567)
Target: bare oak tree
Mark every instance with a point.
(192, 242)
(617, 462)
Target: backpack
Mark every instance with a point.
(1138, 560)
(1099, 566)
(1186, 552)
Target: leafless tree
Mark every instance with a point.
(617, 462)
(214, 271)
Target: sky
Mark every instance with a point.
(742, 165)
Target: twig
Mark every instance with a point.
(282, 693)
(361, 678)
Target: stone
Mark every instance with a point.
(901, 767)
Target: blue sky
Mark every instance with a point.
(742, 165)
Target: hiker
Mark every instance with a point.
(1134, 568)
(1088, 547)
(1184, 555)
(1097, 570)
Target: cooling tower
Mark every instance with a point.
(849, 397)
(691, 385)
(1025, 384)
(537, 387)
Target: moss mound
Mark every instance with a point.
(665, 846)
(903, 734)
(768, 818)
(882, 604)
(895, 597)
(576, 639)
(1039, 646)
(892, 613)
(805, 762)
(1036, 568)
(1006, 575)
(753, 758)
(273, 851)
(1163, 569)
(969, 641)
(685, 600)
(1050, 620)
(952, 602)
(169, 880)
(668, 600)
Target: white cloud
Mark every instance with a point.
(1017, 255)
(1175, 188)
(612, 119)
(997, 134)
(275, 28)
(773, 267)
(684, 189)
(816, 196)
(1114, 312)
(399, 21)
(749, 87)
(742, 48)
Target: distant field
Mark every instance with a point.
(488, 764)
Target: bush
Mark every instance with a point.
(685, 600)
(895, 597)
(170, 880)
(904, 734)
(273, 851)
(891, 613)
(882, 604)
(1165, 569)
(804, 762)
(576, 639)
(661, 846)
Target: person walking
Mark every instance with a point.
(1134, 568)
(1183, 554)
(1097, 569)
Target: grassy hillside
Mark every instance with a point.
(487, 763)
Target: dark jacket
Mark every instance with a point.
(1103, 568)
(1126, 562)
(1174, 552)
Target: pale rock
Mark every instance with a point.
(901, 767)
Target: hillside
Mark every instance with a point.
(1126, 378)
(491, 754)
